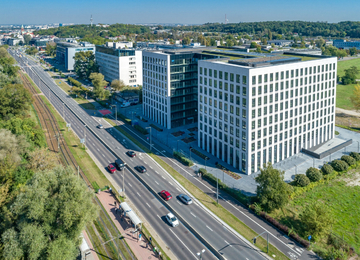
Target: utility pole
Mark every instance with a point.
(124, 182)
(85, 136)
(64, 111)
(254, 239)
(57, 136)
(115, 113)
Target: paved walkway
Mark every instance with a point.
(93, 255)
(348, 112)
(139, 248)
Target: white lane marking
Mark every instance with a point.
(209, 228)
(148, 205)
(98, 149)
(138, 194)
(171, 184)
(157, 172)
(103, 156)
(178, 189)
(130, 185)
(131, 159)
(158, 216)
(228, 243)
(147, 174)
(93, 144)
(193, 214)
(157, 183)
(183, 243)
(145, 162)
(163, 177)
(109, 161)
(150, 166)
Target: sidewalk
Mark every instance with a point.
(139, 248)
(93, 255)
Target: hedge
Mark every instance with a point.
(355, 155)
(348, 159)
(301, 180)
(327, 169)
(183, 159)
(313, 174)
(74, 82)
(339, 165)
(141, 129)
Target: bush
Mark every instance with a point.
(141, 129)
(183, 159)
(339, 165)
(74, 82)
(356, 156)
(313, 174)
(301, 180)
(203, 171)
(348, 159)
(327, 169)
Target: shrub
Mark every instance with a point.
(348, 159)
(313, 174)
(183, 159)
(74, 82)
(339, 165)
(141, 129)
(356, 156)
(327, 169)
(203, 171)
(95, 186)
(301, 180)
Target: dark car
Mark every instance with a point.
(140, 168)
(185, 198)
(131, 153)
(165, 194)
(111, 168)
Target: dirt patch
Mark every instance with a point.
(353, 180)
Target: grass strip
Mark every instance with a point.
(208, 202)
(147, 234)
(96, 242)
(105, 237)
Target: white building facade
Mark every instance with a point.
(260, 110)
(121, 64)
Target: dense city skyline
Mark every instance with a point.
(188, 12)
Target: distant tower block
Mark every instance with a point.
(22, 29)
(91, 20)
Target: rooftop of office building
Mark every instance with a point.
(75, 44)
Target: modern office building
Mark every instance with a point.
(342, 44)
(265, 109)
(65, 52)
(170, 86)
(116, 61)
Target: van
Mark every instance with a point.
(120, 164)
(125, 104)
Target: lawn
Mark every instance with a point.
(343, 65)
(343, 200)
(343, 94)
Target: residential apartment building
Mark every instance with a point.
(117, 62)
(170, 86)
(265, 109)
(65, 52)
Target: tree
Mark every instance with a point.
(14, 100)
(85, 64)
(31, 50)
(118, 85)
(320, 42)
(186, 41)
(253, 45)
(272, 192)
(350, 75)
(341, 53)
(27, 39)
(50, 49)
(353, 51)
(316, 219)
(301, 180)
(12, 146)
(97, 79)
(48, 217)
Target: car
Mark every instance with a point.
(100, 126)
(173, 221)
(131, 153)
(185, 198)
(140, 168)
(111, 168)
(165, 194)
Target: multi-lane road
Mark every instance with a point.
(107, 145)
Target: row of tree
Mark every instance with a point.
(43, 206)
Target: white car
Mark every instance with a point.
(100, 126)
(173, 221)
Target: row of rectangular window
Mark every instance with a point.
(226, 75)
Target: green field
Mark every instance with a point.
(343, 200)
(343, 65)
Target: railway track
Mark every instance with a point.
(56, 143)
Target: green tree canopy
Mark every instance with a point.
(272, 192)
(14, 100)
(48, 217)
(27, 39)
(118, 85)
(50, 49)
(351, 74)
(31, 51)
(85, 64)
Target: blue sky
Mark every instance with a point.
(169, 11)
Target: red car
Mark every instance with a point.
(111, 168)
(165, 194)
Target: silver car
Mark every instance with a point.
(185, 198)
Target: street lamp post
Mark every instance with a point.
(124, 182)
(150, 135)
(190, 153)
(199, 254)
(85, 136)
(115, 113)
(177, 144)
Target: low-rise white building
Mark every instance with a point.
(265, 109)
(116, 61)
